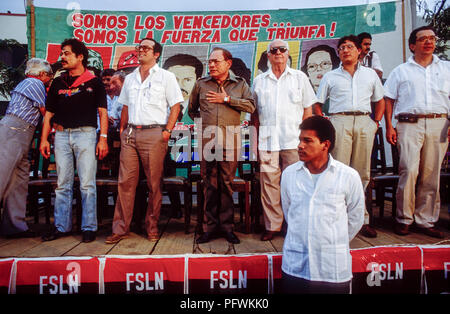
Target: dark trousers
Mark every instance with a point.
(295, 285)
(218, 207)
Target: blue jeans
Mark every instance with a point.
(81, 143)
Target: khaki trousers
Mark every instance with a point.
(354, 143)
(272, 164)
(422, 147)
(148, 146)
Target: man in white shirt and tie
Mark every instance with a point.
(417, 92)
(351, 89)
(323, 204)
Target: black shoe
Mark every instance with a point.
(55, 234)
(268, 235)
(177, 214)
(205, 237)
(368, 231)
(24, 234)
(89, 236)
(232, 238)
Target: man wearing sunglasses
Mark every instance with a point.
(145, 128)
(284, 98)
(417, 93)
(351, 88)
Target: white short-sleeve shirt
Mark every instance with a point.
(148, 101)
(280, 104)
(419, 90)
(349, 93)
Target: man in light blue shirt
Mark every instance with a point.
(323, 204)
(16, 131)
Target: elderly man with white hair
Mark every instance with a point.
(16, 132)
(283, 99)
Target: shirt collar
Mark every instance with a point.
(341, 67)
(153, 70)
(331, 165)
(287, 71)
(231, 77)
(412, 61)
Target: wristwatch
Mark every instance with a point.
(167, 130)
(226, 99)
(104, 135)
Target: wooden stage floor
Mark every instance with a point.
(175, 241)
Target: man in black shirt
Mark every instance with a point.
(72, 104)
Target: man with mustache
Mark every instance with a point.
(351, 88)
(72, 104)
(187, 69)
(417, 93)
(367, 57)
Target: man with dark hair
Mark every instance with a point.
(72, 104)
(187, 70)
(219, 99)
(151, 102)
(323, 204)
(111, 96)
(367, 57)
(417, 93)
(351, 88)
(17, 127)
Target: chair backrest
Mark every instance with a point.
(109, 166)
(378, 158)
(49, 164)
(34, 155)
(395, 158)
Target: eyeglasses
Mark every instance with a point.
(214, 61)
(275, 49)
(143, 48)
(348, 46)
(324, 65)
(425, 38)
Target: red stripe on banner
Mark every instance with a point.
(5, 274)
(57, 276)
(116, 269)
(437, 259)
(255, 267)
(276, 266)
(388, 258)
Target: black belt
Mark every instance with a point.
(420, 116)
(149, 126)
(351, 113)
